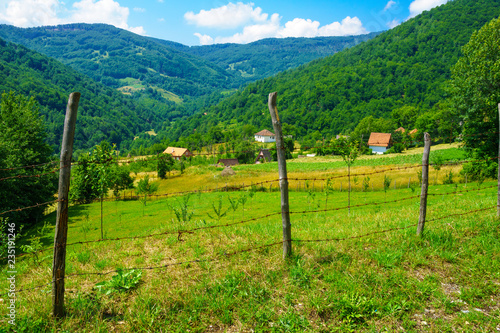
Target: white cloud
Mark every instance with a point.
(389, 5)
(394, 23)
(258, 26)
(348, 26)
(204, 39)
(254, 32)
(227, 17)
(29, 13)
(139, 10)
(299, 28)
(418, 6)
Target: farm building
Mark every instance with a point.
(265, 136)
(228, 161)
(380, 142)
(264, 156)
(177, 153)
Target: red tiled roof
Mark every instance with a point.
(379, 139)
(265, 133)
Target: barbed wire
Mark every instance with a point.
(227, 254)
(34, 206)
(461, 214)
(391, 229)
(462, 191)
(29, 166)
(181, 232)
(32, 176)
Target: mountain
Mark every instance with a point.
(103, 113)
(133, 63)
(123, 60)
(268, 57)
(405, 67)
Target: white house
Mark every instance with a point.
(380, 142)
(265, 136)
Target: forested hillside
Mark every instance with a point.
(267, 57)
(400, 73)
(104, 113)
(123, 60)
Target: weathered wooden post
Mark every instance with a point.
(280, 149)
(61, 231)
(425, 183)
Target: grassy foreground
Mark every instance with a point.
(347, 272)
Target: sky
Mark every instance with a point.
(204, 22)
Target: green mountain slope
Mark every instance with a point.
(267, 57)
(406, 66)
(121, 59)
(104, 113)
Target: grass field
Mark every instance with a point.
(363, 271)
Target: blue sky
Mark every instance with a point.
(196, 22)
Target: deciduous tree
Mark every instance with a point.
(476, 90)
(22, 143)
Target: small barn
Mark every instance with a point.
(379, 143)
(228, 161)
(265, 136)
(264, 156)
(177, 153)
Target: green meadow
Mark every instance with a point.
(213, 261)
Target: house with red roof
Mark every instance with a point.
(379, 143)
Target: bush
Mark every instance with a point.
(479, 170)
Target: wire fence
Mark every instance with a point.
(186, 230)
(180, 233)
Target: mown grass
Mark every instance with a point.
(346, 273)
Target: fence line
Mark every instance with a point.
(193, 230)
(227, 254)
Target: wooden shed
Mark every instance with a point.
(228, 161)
(264, 156)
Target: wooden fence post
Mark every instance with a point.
(425, 183)
(61, 231)
(280, 149)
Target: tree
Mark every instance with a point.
(165, 164)
(245, 152)
(120, 179)
(144, 187)
(91, 177)
(22, 143)
(349, 151)
(475, 88)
